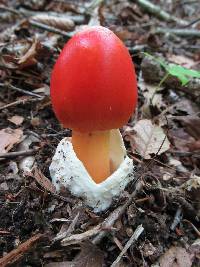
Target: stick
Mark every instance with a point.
(77, 18)
(51, 29)
(17, 253)
(66, 233)
(185, 153)
(77, 238)
(11, 10)
(132, 240)
(179, 32)
(99, 230)
(20, 101)
(11, 155)
(117, 213)
(9, 86)
(158, 12)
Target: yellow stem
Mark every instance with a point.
(93, 150)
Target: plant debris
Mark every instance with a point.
(156, 221)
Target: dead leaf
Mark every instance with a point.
(28, 59)
(17, 120)
(90, 256)
(180, 139)
(42, 180)
(62, 23)
(192, 125)
(8, 138)
(148, 138)
(175, 257)
(151, 93)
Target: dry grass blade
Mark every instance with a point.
(61, 23)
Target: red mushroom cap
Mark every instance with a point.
(93, 83)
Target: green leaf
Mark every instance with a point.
(177, 72)
(183, 74)
(157, 59)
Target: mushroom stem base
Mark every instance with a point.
(93, 150)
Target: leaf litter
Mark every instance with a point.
(162, 138)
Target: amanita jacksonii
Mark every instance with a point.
(94, 92)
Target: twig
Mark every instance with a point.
(158, 12)
(9, 86)
(17, 253)
(99, 230)
(133, 238)
(194, 227)
(70, 229)
(20, 101)
(179, 32)
(192, 23)
(10, 155)
(62, 23)
(185, 153)
(77, 18)
(117, 213)
(50, 29)
(77, 238)
(11, 10)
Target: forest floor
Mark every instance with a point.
(156, 221)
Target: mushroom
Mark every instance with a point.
(94, 92)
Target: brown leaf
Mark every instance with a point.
(62, 23)
(90, 256)
(149, 139)
(192, 125)
(180, 139)
(17, 120)
(175, 257)
(8, 138)
(42, 180)
(28, 58)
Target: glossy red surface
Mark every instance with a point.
(93, 83)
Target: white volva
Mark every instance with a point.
(68, 171)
